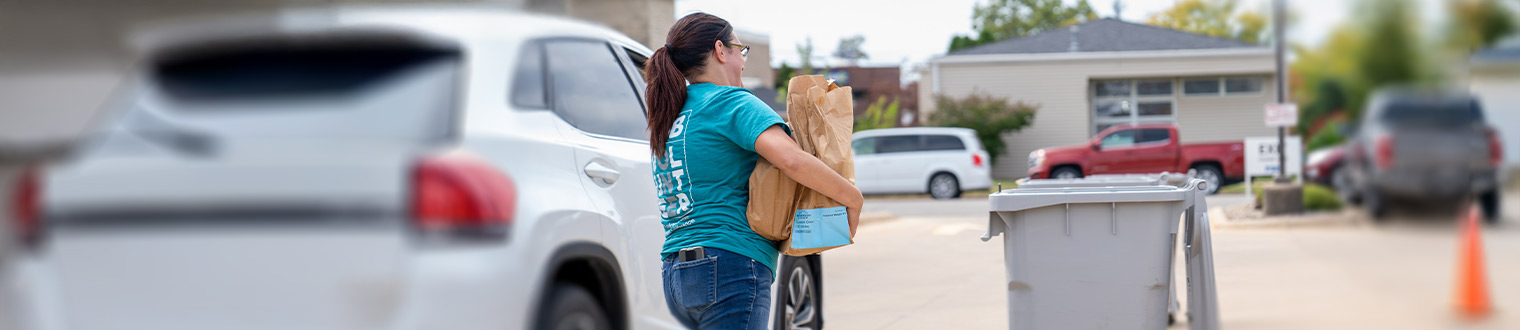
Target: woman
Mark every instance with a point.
(706, 137)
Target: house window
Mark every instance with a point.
(1215, 86)
(1242, 85)
(1208, 86)
(1132, 101)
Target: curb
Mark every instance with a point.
(1219, 218)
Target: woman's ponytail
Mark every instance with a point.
(666, 95)
(685, 53)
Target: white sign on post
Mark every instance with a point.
(1282, 114)
(1261, 155)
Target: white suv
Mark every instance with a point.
(362, 168)
(942, 161)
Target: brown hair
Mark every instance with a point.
(684, 55)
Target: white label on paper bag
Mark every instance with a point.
(817, 228)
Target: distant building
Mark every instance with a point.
(869, 84)
(1101, 73)
(1494, 77)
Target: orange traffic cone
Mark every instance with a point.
(1472, 280)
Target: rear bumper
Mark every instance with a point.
(1433, 184)
(441, 290)
(977, 180)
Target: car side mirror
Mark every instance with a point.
(1095, 145)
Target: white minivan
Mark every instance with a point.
(942, 161)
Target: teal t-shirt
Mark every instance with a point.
(703, 180)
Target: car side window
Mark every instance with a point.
(898, 143)
(943, 142)
(1153, 135)
(591, 90)
(1119, 139)
(864, 146)
(528, 80)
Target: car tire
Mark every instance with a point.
(1340, 181)
(1210, 174)
(944, 186)
(570, 307)
(1375, 205)
(1489, 203)
(799, 307)
(1066, 172)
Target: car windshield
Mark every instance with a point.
(1433, 113)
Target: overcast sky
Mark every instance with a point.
(900, 32)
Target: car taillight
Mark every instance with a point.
(976, 160)
(460, 194)
(26, 206)
(1385, 151)
(1495, 149)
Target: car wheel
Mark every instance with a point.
(571, 307)
(1066, 172)
(944, 186)
(1375, 205)
(799, 308)
(1340, 180)
(1489, 202)
(1209, 174)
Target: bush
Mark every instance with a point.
(1327, 136)
(879, 114)
(1320, 198)
(989, 116)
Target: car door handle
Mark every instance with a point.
(597, 171)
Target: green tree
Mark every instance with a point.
(879, 114)
(989, 116)
(805, 51)
(1003, 19)
(1219, 18)
(849, 49)
(784, 74)
(1475, 24)
(1379, 48)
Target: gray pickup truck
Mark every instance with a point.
(1421, 145)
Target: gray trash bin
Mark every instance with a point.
(1096, 253)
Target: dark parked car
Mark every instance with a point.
(1417, 145)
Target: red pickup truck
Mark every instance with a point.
(1141, 148)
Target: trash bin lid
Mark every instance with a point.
(1109, 180)
(1127, 189)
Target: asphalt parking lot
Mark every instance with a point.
(927, 268)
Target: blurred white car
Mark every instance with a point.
(362, 168)
(941, 161)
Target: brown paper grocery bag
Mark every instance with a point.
(821, 116)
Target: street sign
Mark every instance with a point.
(1282, 114)
(1261, 155)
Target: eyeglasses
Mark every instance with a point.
(743, 49)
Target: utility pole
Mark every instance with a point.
(1282, 86)
(1282, 196)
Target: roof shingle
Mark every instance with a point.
(1104, 35)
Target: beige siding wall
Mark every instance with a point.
(1061, 89)
(1226, 117)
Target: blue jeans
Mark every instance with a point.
(723, 291)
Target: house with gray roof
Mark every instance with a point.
(1089, 76)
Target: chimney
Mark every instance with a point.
(1075, 45)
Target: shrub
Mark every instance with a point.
(1320, 198)
(989, 116)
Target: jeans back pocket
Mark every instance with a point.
(696, 283)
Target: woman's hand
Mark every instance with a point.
(782, 151)
(854, 212)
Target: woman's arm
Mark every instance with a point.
(782, 151)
